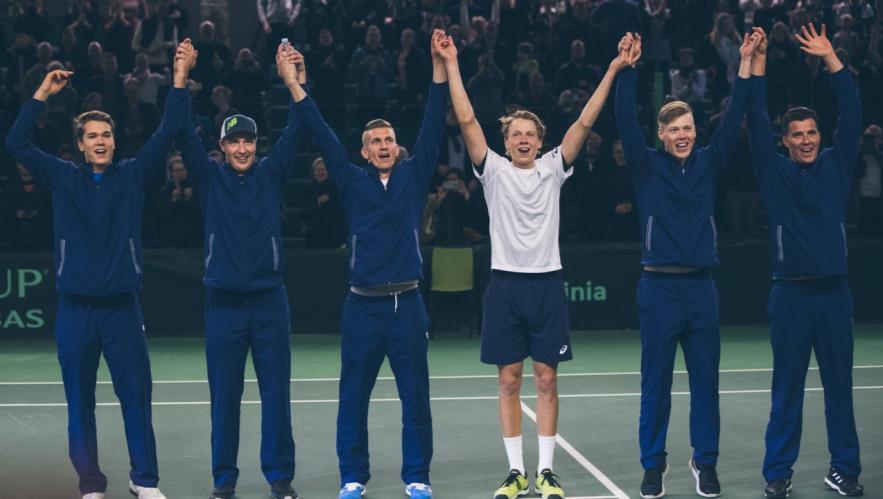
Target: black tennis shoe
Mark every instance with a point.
(844, 485)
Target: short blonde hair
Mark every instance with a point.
(521, 114)
(672, 111)
(373, 124)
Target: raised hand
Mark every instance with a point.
(53, 83)
(285, 65)
(443, 46)
(814, 43)
(300, 65)
(749, 45)
(185, 61)
(763, 42)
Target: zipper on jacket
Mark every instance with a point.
(275, 254)
(353, 256)
(713, 230)
(134, 256)
(211, 245)
(61, 249)
(843, 232)
(417, 245)
(648, 234)
(781, 254)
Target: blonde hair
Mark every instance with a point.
(672, 111)
(373, 124)
(521, 114)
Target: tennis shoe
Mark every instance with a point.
(352, 490)
(145, 492)
(546, 485)
(418, 491)
(515, 485)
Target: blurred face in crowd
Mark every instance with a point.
(320, 173)
(95, 52)
(244, 59)
(68, 38)
(407, 38)
(177, 170)
(372, 37)
(141, 62)
(97, 143)
(618, 153)
(536, 84)
(326, 39)
(379, 147)
(240, 151)
(577, 51)
(678, 136)
(593, 144)
(207, 31)
(44, 52)
(522, 142)
(130, 89)
(220, 97)
(109, 64)
(802, 141)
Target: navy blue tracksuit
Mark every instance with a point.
(246, 304)
(385, 245)
(676, 210)
(98, 276)
(810, 306)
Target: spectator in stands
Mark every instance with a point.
(846, 38)
(525, 65)
(62, 107)
(248, 81)
(176, 15)
(32, 20)
(276, 18)
(149, 82)
(47, 135)
(870, 222)
(577, 72)
(33, 77)
(590, 173)
(119, 30)
(446, 213)
(156, 37)
(137, 119)
(486, 91)
(82, 19)
(221, 98)
(768, 12)
(622, 209)
(412, 77)
(688, 83)
(180, 222)
(719, 52)
(328, 64)
(30, 213)
(323, 210)
(214, 58)
(109, 84)
(371, 69)
(71, 54)
(538, 99)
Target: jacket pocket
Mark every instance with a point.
(648, 234)
(417, 246)
(211, 246)
(62, 246)
(353, 255)
(780, 252)
(134, 256)
(275, 253)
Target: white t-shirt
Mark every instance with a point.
(523, 205)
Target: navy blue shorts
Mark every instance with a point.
(525, 315)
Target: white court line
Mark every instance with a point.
(585, 463)
(445, 377)
(434, 399)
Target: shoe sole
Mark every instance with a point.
(833, 486)
(696, 477)
(523, 493)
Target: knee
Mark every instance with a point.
(510, 384)
(547, 382)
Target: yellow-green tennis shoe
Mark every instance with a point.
(515, 485)
(547, 485)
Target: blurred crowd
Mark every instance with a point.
(370, 58)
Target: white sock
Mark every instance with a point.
(547, 452)
(514, 453)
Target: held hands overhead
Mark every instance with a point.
(629, 51)
(53, 83)
(185, 61)
(290, 65)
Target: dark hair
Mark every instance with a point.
(88, 116)
(798, 114)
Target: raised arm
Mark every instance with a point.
(44, 167)
(433, 127)
(150, 159)
(579, 130)
(633, 143)
(726, 135)
(192, 149)
(760, 131)
(476, 145)
(291, 68)
(848, 133)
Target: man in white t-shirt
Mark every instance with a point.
(525, 310)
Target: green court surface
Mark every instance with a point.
(597, 455)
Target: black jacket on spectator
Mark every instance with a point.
(326, 222)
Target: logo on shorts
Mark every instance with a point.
(563, 350)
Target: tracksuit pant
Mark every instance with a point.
(809, 315)
(679, 309)
(237, 321)
(86, 327)
(373, 328)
